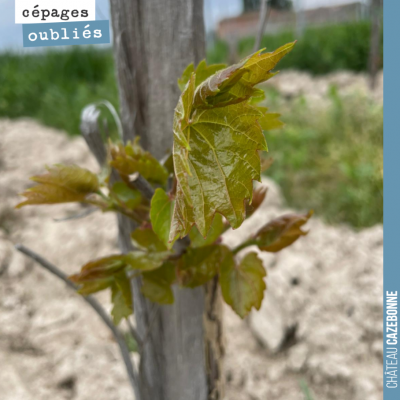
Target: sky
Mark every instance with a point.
(214, 11)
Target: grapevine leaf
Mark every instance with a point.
(236, 83)
(126, 196)
(121, 298)
(270, 121)
(160, 216)
(132, 158)
(71, 177)
(106, 267)
(198, 265)
(217, 228)
(182, 117)
(62, 184)
(183, 216)
(203, 71)
(95, 286)
(157, 284)
(258, 197)
(146, 238)
(168, 164)
(223, 162)
(243, 284)
(101, 268)
(48, 194)
(143, 261)
(184, 79)
(217, 136)
(216, 89)
(281, 232)
(257, 96)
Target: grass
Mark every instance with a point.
(53, 88)
(330, 161)
(321, 49)
(305, 390)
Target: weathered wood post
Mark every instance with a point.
(375, 11)
(154, 40)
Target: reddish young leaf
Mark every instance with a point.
(48, 194)
(132, 158)
(62, 184)
(258, 197)
(90, 287)
(281, 232)
(100, 268)
(71, 177)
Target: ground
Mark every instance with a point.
(320, 323)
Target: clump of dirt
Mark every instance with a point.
(322, 307)
(315, 89)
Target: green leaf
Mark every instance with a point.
(143, 261)
(198, 265)
(184, 79)
(203, 71)
(168, 164)
(281, 232)
(132, 158)
(243, 284)
(216, 230)
(156, 285)
(160, 216)
(217, 136)
(121, 298)
(131, 343)
(223, 162)
(147, 239)
(270, 121)
(62, 184)
(236, 83)
(125, 195)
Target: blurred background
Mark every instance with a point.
(319, 334)
(332, 109)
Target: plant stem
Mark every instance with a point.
(132, 374)
(248, 243)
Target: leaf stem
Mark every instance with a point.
(245, 244)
